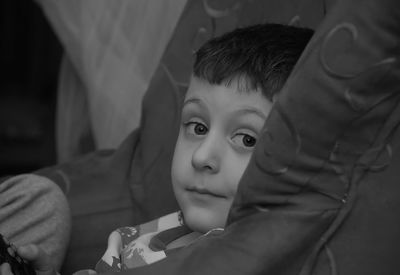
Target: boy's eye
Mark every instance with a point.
(249, 141)
(245, 140)
(196, 128)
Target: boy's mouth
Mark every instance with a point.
(204, 191)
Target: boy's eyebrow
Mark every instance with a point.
(251, 110)
(243, 110)
(192, 100)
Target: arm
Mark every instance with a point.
(33, 209)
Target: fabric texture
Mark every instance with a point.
(130, 247)
(114, 47)
(100, 200)
(74, 135)
(34, 210)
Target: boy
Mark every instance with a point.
(230, 95)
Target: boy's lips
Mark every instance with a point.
(204, 191)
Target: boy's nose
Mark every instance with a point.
(206, 157)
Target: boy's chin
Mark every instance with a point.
(202, 221)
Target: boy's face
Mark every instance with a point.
(218, 132)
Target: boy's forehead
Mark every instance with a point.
(196, 83)
(228, 97)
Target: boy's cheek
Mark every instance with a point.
(182, 158)
(180, 170)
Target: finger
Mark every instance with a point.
(40, 260)
(5, 269)
(28, 252)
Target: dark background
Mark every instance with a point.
(30, 56)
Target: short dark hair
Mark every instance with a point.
(263, 55)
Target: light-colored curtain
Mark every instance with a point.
(115, 47)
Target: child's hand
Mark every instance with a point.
(5, 269)
(39, 259)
